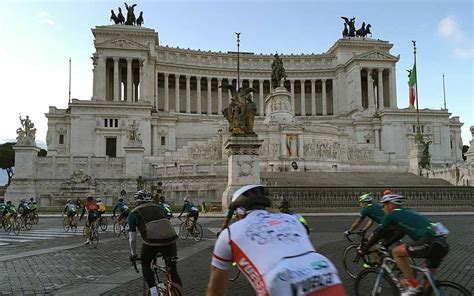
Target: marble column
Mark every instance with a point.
(167, 93)
(142, 79)
(188, 94)
(370, 89)
(335, 99)
(129, 80)
(209, 95)
(357, 87)
(198, 95)
(303, 98)
(380, 88)
(392, 84)
(292, 91)
(176, 88)
(377, 138)
(219, 95)
(156, 93)
(325, 102)
(313, 97)
(261, 112)
(229, 94)
(116, 79)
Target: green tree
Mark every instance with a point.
(464, 150)
(7, 159)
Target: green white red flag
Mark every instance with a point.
(412, 86)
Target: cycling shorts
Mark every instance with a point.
(434, 249)
(123, 215)
(71, 214)
(194, 215)
(92, 216)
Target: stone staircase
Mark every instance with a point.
(344, 179)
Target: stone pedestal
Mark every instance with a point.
(416, 153)
(278, 107)
(243, 165)
(134, 161)
(23, 183)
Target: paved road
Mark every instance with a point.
(45, 260)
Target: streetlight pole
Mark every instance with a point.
(238, 60)
(418, 136)
(444, 93)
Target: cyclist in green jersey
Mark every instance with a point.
(285, 208)
(122, 207)
(24, 208)
(192, 210)
(71, 210)
(374, 212)
(429, 239)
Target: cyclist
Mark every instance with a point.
(374, 212)
(165, 206)
(33, 205)
(101, 206)
(9, 211)
(191, 209)
(92, 215)
(158, 236)
(429, 239)
(285, 208)
(23, 208)
(272, 250)
(122, 207)
(71, 211)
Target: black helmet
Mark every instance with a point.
(90, 198)
(250, 197)
(142, 195)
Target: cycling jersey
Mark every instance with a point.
(190, 207)
(165, 206)
(409, 222)
(101, 206)
(276, 255)
(23, 208)
(2, 208)
(70, 208)
(33, 205)
(10, 209)
(121, 207)
(373, 211)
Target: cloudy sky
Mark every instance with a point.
(38, 37)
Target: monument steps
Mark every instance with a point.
(344, 179)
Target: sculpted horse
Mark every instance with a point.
(113, 17)
(130, 14)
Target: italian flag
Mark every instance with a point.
(412, 85)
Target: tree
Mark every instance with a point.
(464, 150)
(7, 159)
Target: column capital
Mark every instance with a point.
(381, 69)
(261, 80)
(116, 59)
(188, 77)
(313, 80)
(166, 75)
(292, 81)
(177, 75)
(209, 79)
(198, 78)
(129, 60)
(302, 80)
(219, 79)
(324, 80)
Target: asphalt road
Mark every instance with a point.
(46, 260)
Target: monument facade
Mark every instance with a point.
(156, 112)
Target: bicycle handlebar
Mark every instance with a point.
(359, 233)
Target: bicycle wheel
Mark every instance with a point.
(95, 238)
(234, 273)
(366, 284)
(16, 226)
(73, 227)
(28, 223)
(35, 218)
(103, 224)
(176, 289)
(352, 262)
(197, 232)
(183, 231)
(66, 225)
(117, 229)
(446, 288)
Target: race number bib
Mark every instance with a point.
(439, 229)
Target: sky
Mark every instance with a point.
(37, 38)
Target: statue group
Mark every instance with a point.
(241, 111)
(425, 161)
(119, 19)
(350, 30)
(27, 132)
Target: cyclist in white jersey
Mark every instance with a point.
(272, 250)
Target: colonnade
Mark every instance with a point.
(377, 88)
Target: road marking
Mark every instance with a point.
(4, 244)
(16, 240)
(214, 229)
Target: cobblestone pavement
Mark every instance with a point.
(64, 266)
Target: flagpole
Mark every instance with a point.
(69, 81)
(444, 94)
(238, 60)
(418, 136)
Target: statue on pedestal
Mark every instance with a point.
(278, 71)
(426, 157)
(241, 111)
(130, 14)
(134, 136)
(27, 132)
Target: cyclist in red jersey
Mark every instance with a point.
(92, 214)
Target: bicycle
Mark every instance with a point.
(188, 227)
(121, 227)
(34, 217)
(382, 281)
(67, 225)
(168, 288)
(12, 223)
(26, 222)
(94, 234)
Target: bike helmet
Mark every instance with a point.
(69, 200)
(142, 195)
(32, 199)
(120, 199)
(90, 198)
(387, 191)
(250, 197)
(366, 197)
(393, 198)
(9, 202)
(98, 199)
(186, 199)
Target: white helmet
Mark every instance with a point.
(393, 198)
(366, 197)
(142, 195)
(186, 199)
